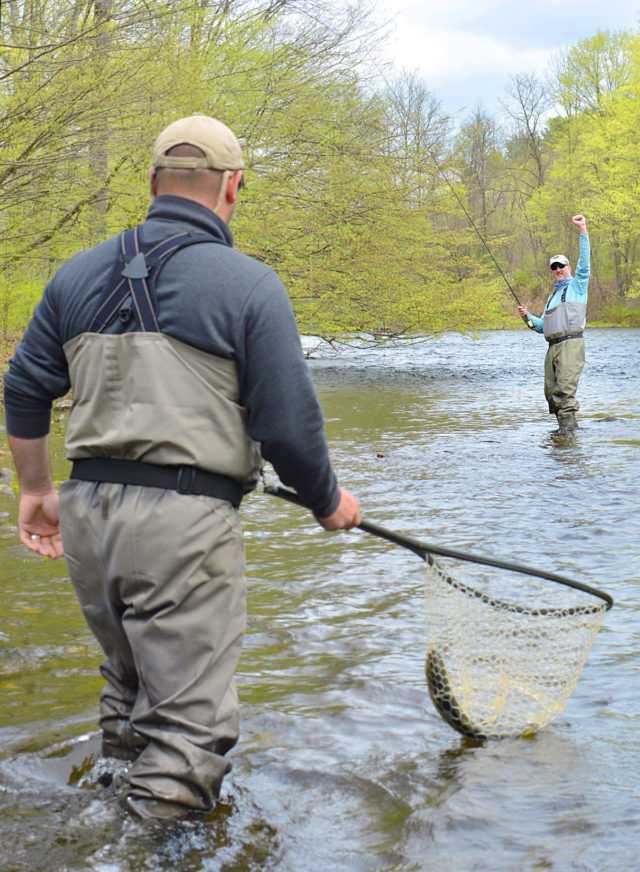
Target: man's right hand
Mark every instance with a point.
(346, 516)
(38, 524)
(522, 311)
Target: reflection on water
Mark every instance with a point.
(343, 762)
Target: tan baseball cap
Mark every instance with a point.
(220, 146)
(559, 258)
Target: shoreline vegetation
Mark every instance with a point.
(355, 175)
(626, 320)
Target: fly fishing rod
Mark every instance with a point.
(525, 318)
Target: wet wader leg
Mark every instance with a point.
(174, 568)
(569, 363)
(187, 635)
(550, 380)
(82, 509)
(119, 739)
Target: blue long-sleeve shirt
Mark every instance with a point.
(577, 288)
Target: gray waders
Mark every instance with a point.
(160, 579)
(153, 538)
(563, 366)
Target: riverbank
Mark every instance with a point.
(620, 318)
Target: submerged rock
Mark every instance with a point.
(6, 475)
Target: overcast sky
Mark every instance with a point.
(466, 50)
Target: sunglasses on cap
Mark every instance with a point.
(555, 266)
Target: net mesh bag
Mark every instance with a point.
(504, 651)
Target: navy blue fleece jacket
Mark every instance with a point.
(213, 298)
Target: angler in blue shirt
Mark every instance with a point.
(562, 323)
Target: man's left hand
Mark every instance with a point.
(346, 516)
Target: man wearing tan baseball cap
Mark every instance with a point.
(563, 322)
(198, 143)
(187, 373)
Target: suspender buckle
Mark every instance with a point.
(186, 479)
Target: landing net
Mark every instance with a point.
(504, 650)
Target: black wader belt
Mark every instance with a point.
(183, 479)
(562, 338)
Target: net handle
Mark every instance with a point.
(423, 549)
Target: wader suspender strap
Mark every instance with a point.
(134, 275)
(563, 298)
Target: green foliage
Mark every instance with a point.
(619, 314)
(344, 197)
(595, 153)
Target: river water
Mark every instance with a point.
(343, 762)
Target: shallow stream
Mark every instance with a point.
(343, 763)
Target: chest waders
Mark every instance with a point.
(159, 575)
(564, 361)
(131, 293)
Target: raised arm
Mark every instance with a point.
(583, 266)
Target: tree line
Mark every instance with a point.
(354, 173)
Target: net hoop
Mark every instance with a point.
(496, 603)
(425, 550)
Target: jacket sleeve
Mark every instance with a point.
(538, 323)
(37, 372)
(283, 412)
(580, 282)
